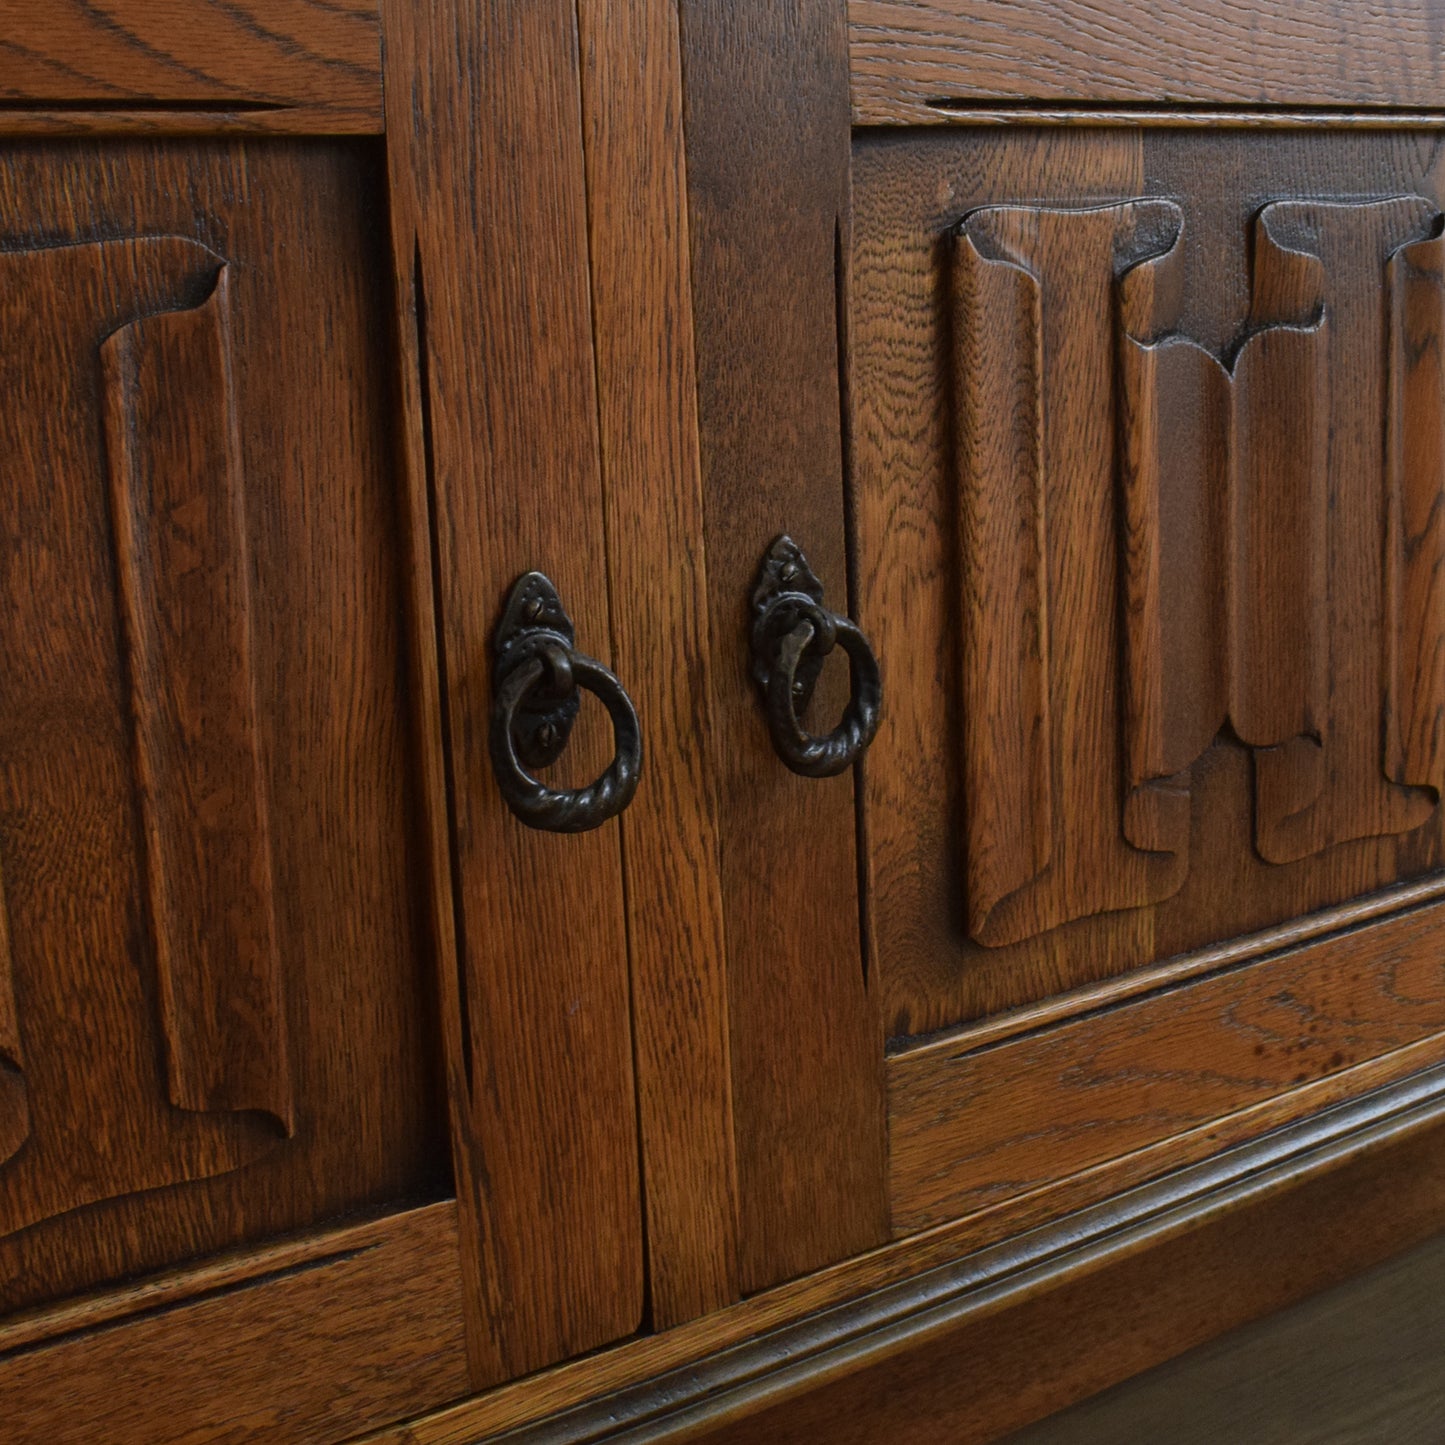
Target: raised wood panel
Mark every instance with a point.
(311, 1339)
(1201, 631)
(1091, 1089)
(285, 64)
(60, 303)
(915, 61)
(177, 497)
(216, 962)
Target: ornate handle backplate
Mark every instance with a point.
(792, 633)
(537, 686)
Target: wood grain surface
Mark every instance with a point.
(307, 1340)
(767, 174)
(317, 504)
(183, 561)
(489, 247)
(647, 395)
(910, 193)
(1359, 1364)
(1109, 1083)
(1095, 1318)
(1170, 1264)
(287, 64)
(911, 59)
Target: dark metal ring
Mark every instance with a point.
(793, 631)
(571, 810)
(802, 751)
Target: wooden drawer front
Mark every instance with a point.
(1150, 470)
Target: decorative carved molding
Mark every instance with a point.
(182, 557)
(131, 339)
(1261, 530)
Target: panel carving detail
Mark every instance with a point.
(118, 364)
(1161, 545)
(181, 552)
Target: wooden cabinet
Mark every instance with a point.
(1092, 361)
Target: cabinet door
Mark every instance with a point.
(1140, 446)
(317, 1099)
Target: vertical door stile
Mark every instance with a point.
(768, 164)
(489, 251)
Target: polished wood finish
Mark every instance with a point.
(489, 243)
(1102, 1085)
(1357, 1364)
(183, 563)
(282, 64)
(647, 396)
(1172, 1264)
(304, 1084)
(767, 171)
(1132, 610)
(997, 1358)
(779, 1109)
(312, 1339)
(914, 61)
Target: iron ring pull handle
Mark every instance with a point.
(792, 633)
(537, 683)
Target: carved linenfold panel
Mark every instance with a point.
(115, 368)
(182, 558)
(1333, 785)
(1161, 545)
(1415, 540)
(1031, 296)
(1222, 472)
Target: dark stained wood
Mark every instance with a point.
(489, 241)
(1038, 569)
(647, 394)
(767, 173)
(1336, 1177)
(64, 121)
(1178, 666)
(183, 564)
(1095, 1088)
(1415, 531)
(285, 64)
(1359, 1364)
(14, 1097)
(1005, 1351)
(318, 512)
(308, 1340)
(910, 60)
